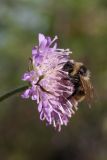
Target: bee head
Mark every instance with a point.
(76, 68)
(79, 69)
(68, 67)
(82, 70)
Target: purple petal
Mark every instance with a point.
(28, 76)
(26, 94)
(42, 41)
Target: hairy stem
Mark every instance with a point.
(13, 92)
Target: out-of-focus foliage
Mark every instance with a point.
(80, 25)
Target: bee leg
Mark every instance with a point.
(78, 95)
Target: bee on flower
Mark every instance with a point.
(53, 85)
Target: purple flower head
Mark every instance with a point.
(49, 86)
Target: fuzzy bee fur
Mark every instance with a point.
(79, 76)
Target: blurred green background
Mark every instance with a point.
(81, 25)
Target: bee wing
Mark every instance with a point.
(88, 88)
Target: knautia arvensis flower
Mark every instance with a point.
(49, 85)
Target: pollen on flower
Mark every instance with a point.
(49, 86)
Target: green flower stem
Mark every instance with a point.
(13, 92)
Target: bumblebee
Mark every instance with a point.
(79, 76)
